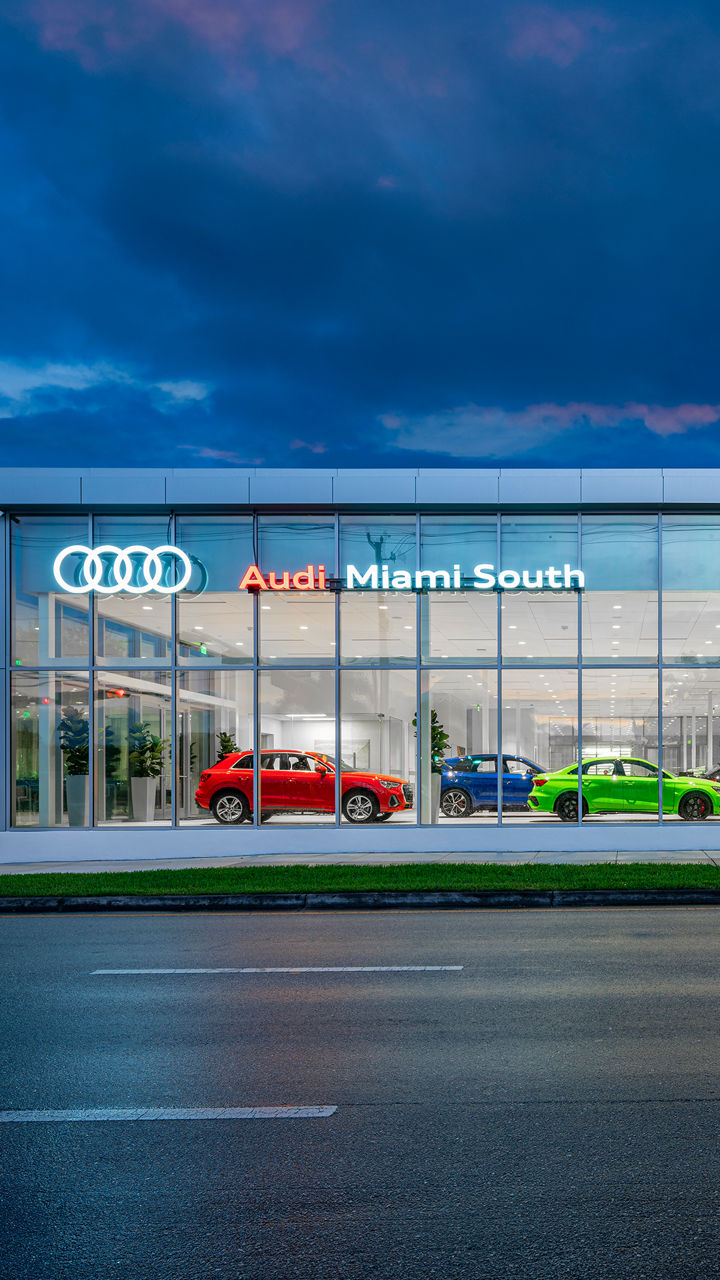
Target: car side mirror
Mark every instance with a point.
(320, 768)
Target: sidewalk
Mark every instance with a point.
(705, 856)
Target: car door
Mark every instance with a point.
(640, 786)
(517, 785)
(305, 786)
(602, 785)
(272, 778)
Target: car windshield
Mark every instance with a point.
(346, 768)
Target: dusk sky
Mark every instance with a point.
(352, 233)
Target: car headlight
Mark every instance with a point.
(391, 786)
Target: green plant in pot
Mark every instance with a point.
(226, 744)
(146, 757)
(74, 734)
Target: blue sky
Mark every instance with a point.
(324, 233)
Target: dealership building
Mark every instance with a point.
(508, 620)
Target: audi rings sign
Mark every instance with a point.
(136, 569)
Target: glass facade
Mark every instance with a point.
(388, 668)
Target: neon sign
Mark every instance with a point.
(384, 578)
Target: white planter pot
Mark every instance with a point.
(435, 781)
(143, 792)
(77, 795)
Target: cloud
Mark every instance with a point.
(539, 31)
(476, 430)
(27, 389)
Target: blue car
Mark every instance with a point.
(471, 782)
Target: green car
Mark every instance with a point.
(620, 784)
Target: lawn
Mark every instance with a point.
(324, 879)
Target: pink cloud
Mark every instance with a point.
(316, 447)
(539, 31)
(98, 31)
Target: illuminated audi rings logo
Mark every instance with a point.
(136, 569)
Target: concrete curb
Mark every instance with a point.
(486, 899)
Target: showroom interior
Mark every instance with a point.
(120, 692)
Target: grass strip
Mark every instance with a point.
(326, 879)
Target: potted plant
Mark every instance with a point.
(226, 744)
(146, 757)
(74, 733)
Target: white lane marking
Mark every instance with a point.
(166, 1113)
(369, 968)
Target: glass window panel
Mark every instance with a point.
(215, 619)
(47, 623)
(539, 627)
(297, 627)
(620, 724)
(377, 736)
(620, 626)
(381, 540)
(538, 542)
(459, 626)
(446, 541)
(691, 626)
(458, 725)
(215, 716)
(620, 554)
(131, 628)
(691, 729)
(49, 731)
(297, 747)
(132, 753)
(378, 626)
(539, 732)
(289, 545)
(690, 553)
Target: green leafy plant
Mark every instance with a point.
(439, 742)
(74, 733)
(147, 751)
(226, 744)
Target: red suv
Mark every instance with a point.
(298, 782)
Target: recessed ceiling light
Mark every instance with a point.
(522, 642)
(265, 606)
(272, 656)
(512, 626)
(198, 628)
(303, 628)
(240, 643)
(383, 606)
(408, 626)
(148, 607)
(708, 641)
(617, 606)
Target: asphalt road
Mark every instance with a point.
(552, 1110)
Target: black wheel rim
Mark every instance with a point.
(568, 809)
(454, 804)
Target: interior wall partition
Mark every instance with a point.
(119, 702)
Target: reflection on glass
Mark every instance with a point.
(378, 626)
(129, 627)
(50, 749)
(47, 623)
(539, 732)
(132, 757)
(286, 545)
(215, 619)
(446, 541)
(620, 627)
(377, 736)
(297, 743)
(539, 626)
(378, 541)
(691, 599)
(620, 722)
(298, 627)
(459, 626)
(458, 746)
(215, 716)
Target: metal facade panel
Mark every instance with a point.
(39, 486)
(539, 486)
(371, 488)
(611, 487)
(116, 486)
(293, 488)
(689, 486)
(199, 486)
(447, 486)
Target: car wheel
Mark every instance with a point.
(456, 803)
(694, 807)
(229, 807)
(360, 806)
(566, 807)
